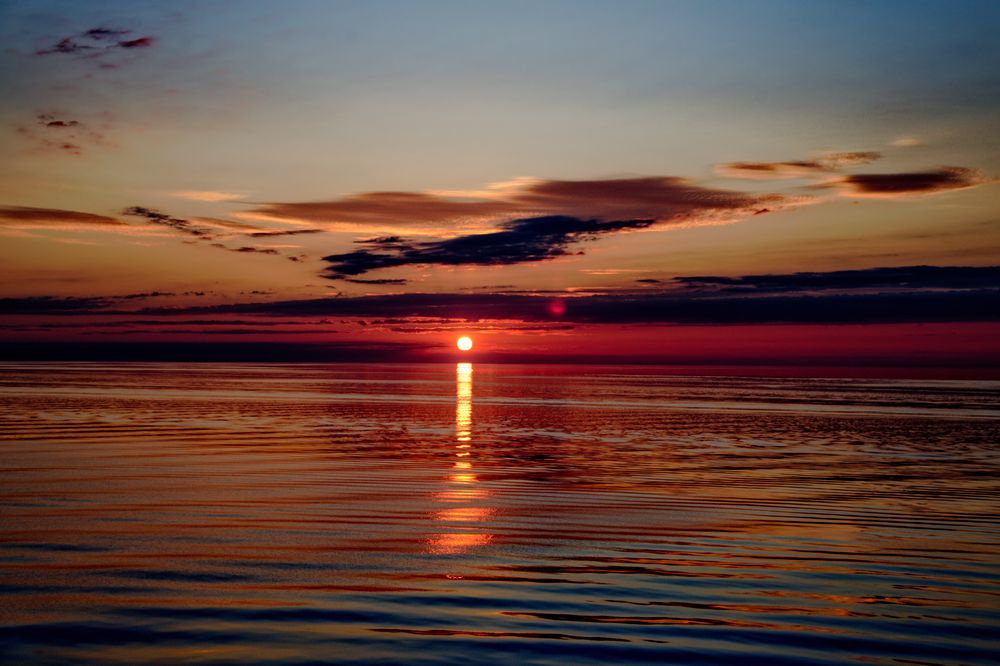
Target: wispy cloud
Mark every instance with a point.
(896, 277)
(162, 219)
(827, 163)
(62, 133)
(53, 218)
(288, 232)
(100, 44)
(206, 195)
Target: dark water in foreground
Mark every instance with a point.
(530, 515)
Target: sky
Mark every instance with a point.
(791, 183)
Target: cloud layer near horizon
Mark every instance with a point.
(877, 295)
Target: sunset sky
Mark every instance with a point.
(682, 182)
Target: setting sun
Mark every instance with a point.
(465, 343)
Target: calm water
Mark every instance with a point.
(492, 515)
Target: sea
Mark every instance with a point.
(494, 514)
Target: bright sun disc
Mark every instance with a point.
(465, 343)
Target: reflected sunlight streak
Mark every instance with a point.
(462, 476)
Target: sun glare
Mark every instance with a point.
(465, 343)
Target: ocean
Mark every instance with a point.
(494, 514)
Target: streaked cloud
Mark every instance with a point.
(25, 217)
(59, 132)
(162, 219)
(206, 195)
(827, 163)
(99, 44)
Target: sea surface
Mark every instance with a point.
(460, 514)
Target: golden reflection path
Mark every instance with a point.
(463, 485)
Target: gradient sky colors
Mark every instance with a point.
(771, 182)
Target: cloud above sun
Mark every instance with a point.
(660, 198)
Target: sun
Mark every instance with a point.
(464, 343)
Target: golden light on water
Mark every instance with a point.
(462, 480)
(464, 343)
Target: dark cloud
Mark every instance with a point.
(880, 295)
(533, 239)
(828, 163)
(127, 323)
(660, 308)
(96, 43)
(911, 183)
(141, 42)
(901, 277)
(216, 331)
(58, 132)
(257, 250)
(648, 281)
(72, 304)
(52, 305)
(23, 216)
(211, 352)
(664, 199)
(162, 219)
(877, 295)
(144, 295)
(397, 281)
(200, 232)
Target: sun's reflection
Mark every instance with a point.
(462, 481)
(463, 402)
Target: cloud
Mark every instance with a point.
(525, 220)
(52, 218)
(897, 277)
(876, 295)
(198, 228)
(206, 195)
(141, 42)
(52, 305)
(532, 239)
(290, 232)
(226, 224)
(660, 198)
(58, 132)
(914, 183)
(827, 163)
(98, 43)
(248, 249)
(906, 142)
(382, 281)
(162, 219)
(657, 308)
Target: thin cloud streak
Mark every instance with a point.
(53, 218)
